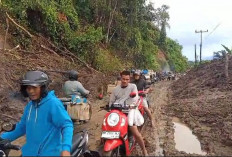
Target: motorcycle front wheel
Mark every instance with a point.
(112, 153)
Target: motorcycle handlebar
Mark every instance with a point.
(104, 108)
(14, 147)
(142, 94)
(10, 146)
(65, 99)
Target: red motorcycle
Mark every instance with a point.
(117, 139)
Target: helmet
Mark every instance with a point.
(34, 78)
(132, 71)
(137, 72)
(73, 75)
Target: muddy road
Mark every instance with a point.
(155, 138)
(159, 140)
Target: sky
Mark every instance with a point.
(186, 16)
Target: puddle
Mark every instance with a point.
(185, 140)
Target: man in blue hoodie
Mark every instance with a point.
(45, 122)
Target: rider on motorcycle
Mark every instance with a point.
(142, 86)
(78, 94)
(120, 94)
(46, 124)
(73, 86)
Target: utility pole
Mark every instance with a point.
(201, 41)
(195, 54)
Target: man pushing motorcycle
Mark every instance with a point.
(142, 86)
(120, 94)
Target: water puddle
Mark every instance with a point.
(185, 140)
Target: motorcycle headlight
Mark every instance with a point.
(113, 119)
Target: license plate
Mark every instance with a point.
(110, 134)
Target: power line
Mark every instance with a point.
(219, 24)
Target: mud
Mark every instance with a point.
(202, 100)
(159, 140)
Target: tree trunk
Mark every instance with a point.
(226, 67)
(110, 21)
(4, 45)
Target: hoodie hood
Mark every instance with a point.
(36, 105)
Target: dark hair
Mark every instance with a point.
(125, 73)
(44, 91)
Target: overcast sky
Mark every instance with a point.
(186, 16)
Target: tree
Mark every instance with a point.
(162, 21)
(229, 52)
(162, 16)
(162, 40)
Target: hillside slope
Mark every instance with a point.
(13, 64)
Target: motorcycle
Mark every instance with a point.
(142, 96)
(79, 144)
(117, 139)
(156, 79)
(5, 145)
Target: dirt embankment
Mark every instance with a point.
(202, 99)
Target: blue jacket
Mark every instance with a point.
(47, 126)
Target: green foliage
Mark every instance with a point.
(83, 42)
(177, 61)
(148, 58)
(59, 20)
(84, 10)
(219, 54)
(130, 30)
(106, 62)
(227, 49)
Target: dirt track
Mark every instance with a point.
(155, 139)
(159, 140)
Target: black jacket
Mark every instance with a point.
(141, 84)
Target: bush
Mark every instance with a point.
(106, 62)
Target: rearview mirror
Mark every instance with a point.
(8, 126)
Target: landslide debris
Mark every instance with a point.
(203, 100)
(13, 64)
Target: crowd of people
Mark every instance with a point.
(46, 122)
